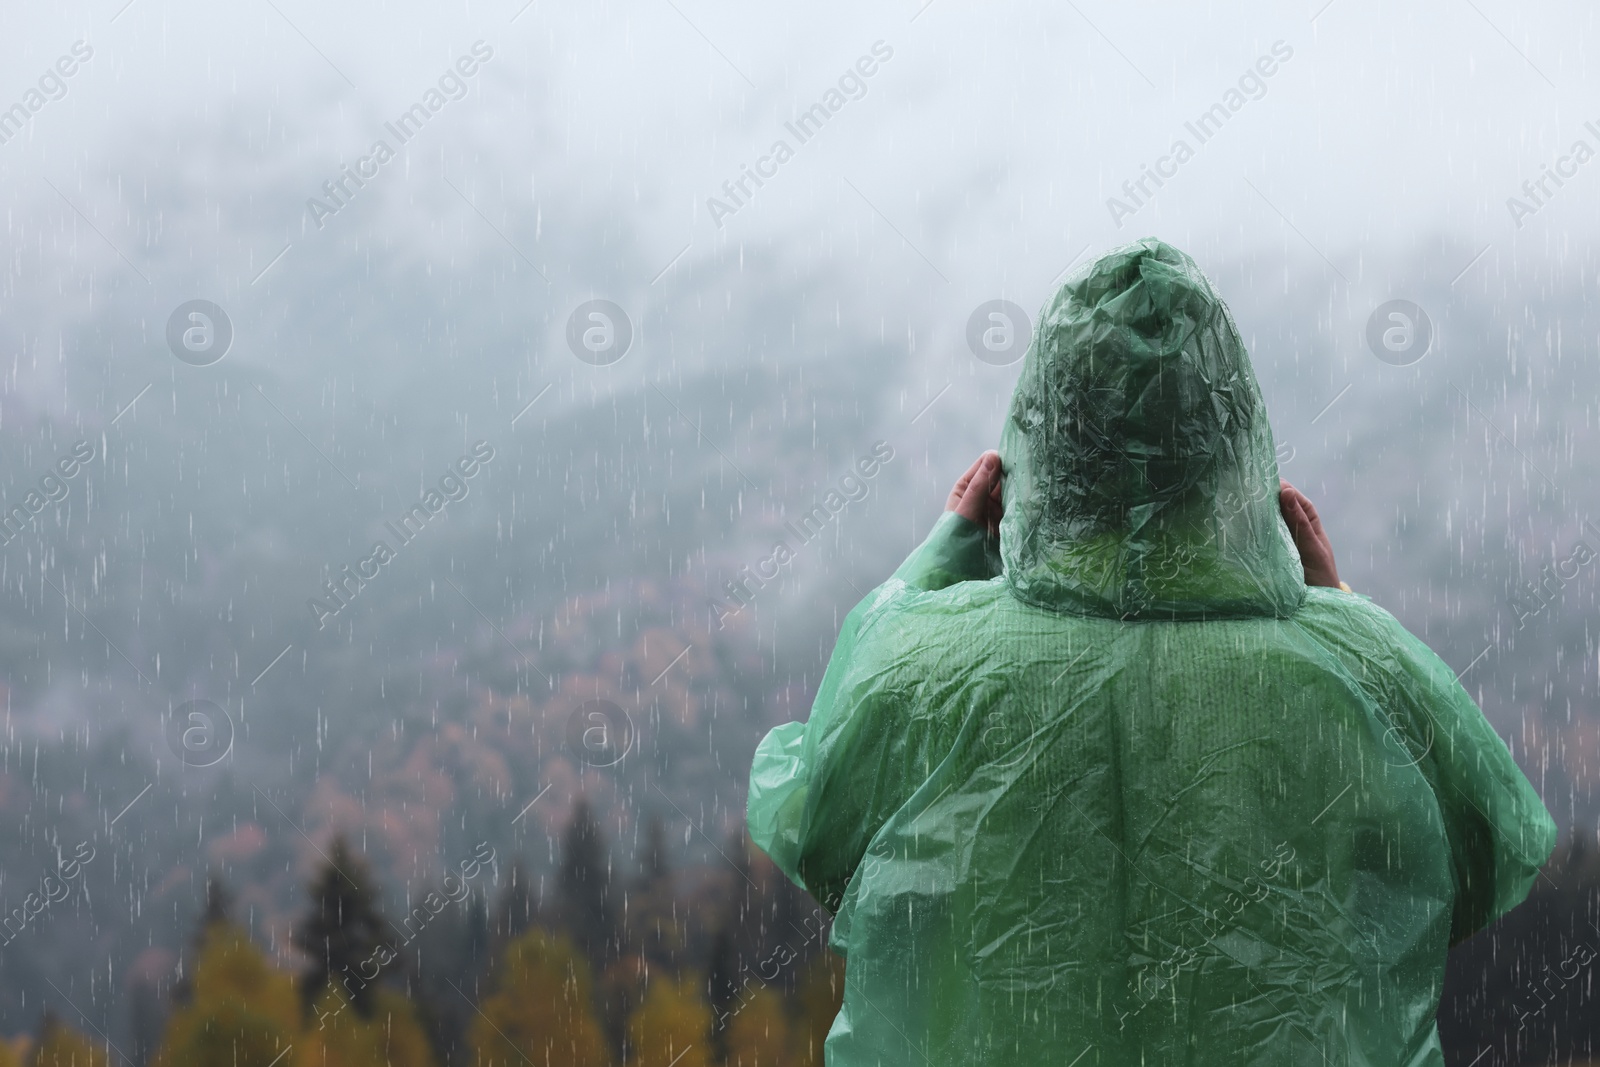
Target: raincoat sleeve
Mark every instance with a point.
(1499, 831)
(819, 790)
(956, 550)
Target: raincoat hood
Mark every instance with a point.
(1141, 480)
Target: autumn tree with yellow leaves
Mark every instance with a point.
(242, 1011)
(672, 1028)
(61, 1046)
(542, 1010)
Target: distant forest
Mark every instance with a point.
(648, 968)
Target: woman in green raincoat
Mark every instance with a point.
(1147, 785)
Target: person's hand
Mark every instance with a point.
(976, 495)
(1316, 553)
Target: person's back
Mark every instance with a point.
(1139, 795)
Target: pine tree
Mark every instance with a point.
(651, 935)
(794, 921)
(343, 932)
(451, 953)
(722, 984)
(219, 902)
(149, 1009)
(654, 864)
(587, 910)
(516, 910)
(588, 915)
(653, 928)
(736, 943)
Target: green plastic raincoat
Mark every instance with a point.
(1127, 791)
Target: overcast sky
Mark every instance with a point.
(978, 162)
(1357, 152)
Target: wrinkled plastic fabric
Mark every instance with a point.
(1125, 791)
